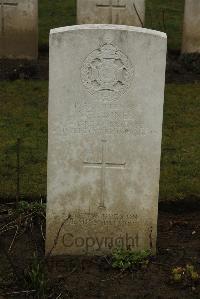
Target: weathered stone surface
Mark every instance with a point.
(105, 128)
(191, 27)
(124, 12)
(18, 29)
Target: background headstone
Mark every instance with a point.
(19, 29)
(124, 12)
(191, 27)
(105, 129)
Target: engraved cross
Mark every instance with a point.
(103, 165)
(111, 4)
(3, 4)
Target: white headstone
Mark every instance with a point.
(105, 128)
(191, 27)
(122, 12)
(18, 29)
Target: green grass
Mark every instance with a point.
(163, 15)
(54, 14)
(181, 144)
(23, 115)
(167, 16)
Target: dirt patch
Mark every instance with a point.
(182, 68)
(23, 69)
(85, 277)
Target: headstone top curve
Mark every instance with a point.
(108, 27)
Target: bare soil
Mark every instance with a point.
(94, 277)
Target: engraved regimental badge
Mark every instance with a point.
(107, 72)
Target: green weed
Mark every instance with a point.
(35, 208)
(35, 278)
(185, 275)
(127, 259)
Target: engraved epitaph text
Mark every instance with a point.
(111, 3)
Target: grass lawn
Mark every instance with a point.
(163, 15)
(167, 16)
(54, 14)
(24, 115)
(181, 144)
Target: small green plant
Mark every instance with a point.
(127, 259)
(192, 273)
(185, 274)
(36, 208)
(178, 273)
(35, 278)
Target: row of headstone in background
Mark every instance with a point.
(19, 22)
(132, 12)
(105, 127)
(19, 29)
